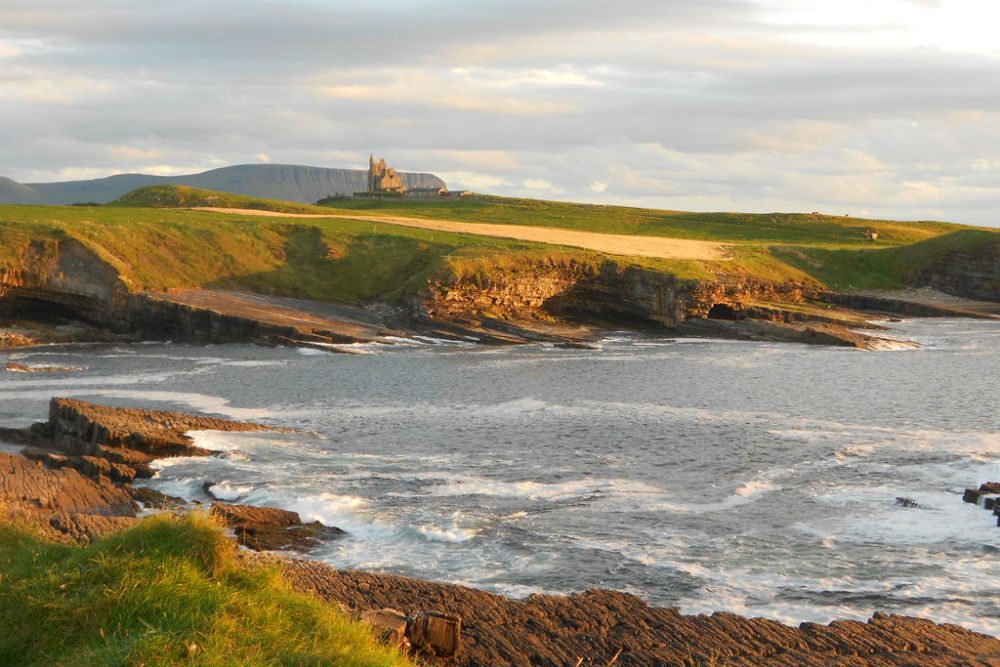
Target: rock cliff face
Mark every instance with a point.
(607, 292)
(973, 274)
(65, 273)
(493, 304)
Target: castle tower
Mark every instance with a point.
(383, 178)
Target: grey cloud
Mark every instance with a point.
(668, 103)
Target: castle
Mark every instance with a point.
(385, 181)
(382, 178)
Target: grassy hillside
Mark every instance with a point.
(182, 196)
(878, 269)
(331, 260)
(794, 228)
(168, 592)
(155, 244)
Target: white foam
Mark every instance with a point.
(870, 514)
(431, 340)
(454, 534)
(531, 490)
(228, 491)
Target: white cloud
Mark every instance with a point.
(540, 186)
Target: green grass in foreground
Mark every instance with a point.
(167, 592)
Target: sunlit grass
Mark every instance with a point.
(359, 261)
(170, 591)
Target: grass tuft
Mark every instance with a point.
(168, 592)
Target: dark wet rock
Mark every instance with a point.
(595, 626)
(207, 489)
(17, 436)
(987, 495)
(272, 529)
(907, 502)
(577, 345)
(35, 453)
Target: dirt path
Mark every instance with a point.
(612, 244)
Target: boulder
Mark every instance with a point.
(390, 627)
(435, 633)
(272, 529)
(990, 487)
(906, 502)
(971, 496)
(154, 499)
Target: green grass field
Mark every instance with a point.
(155, 243)
(168, 592)
(777, 228)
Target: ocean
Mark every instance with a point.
(757, 478)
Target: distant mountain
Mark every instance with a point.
(271, 181)
(12, 192)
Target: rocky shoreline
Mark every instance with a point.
(74, 478)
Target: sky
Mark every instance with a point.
(881, 108)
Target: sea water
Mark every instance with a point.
(758, 478)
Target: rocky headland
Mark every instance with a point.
(61, 291)
(74, 480)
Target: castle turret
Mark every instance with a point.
(383, 178)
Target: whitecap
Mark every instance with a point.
(454, 534)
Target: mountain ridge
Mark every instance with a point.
(298, 183)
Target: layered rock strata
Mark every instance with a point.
(73, 480)
(633, 297)
(973, 273)
(604, 627)
(530, 300)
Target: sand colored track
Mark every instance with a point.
(612, 244)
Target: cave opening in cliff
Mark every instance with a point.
(721, 311)
(17, 307)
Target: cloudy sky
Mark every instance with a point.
(887, 108)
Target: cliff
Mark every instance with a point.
(523, 299)
(972, 272)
